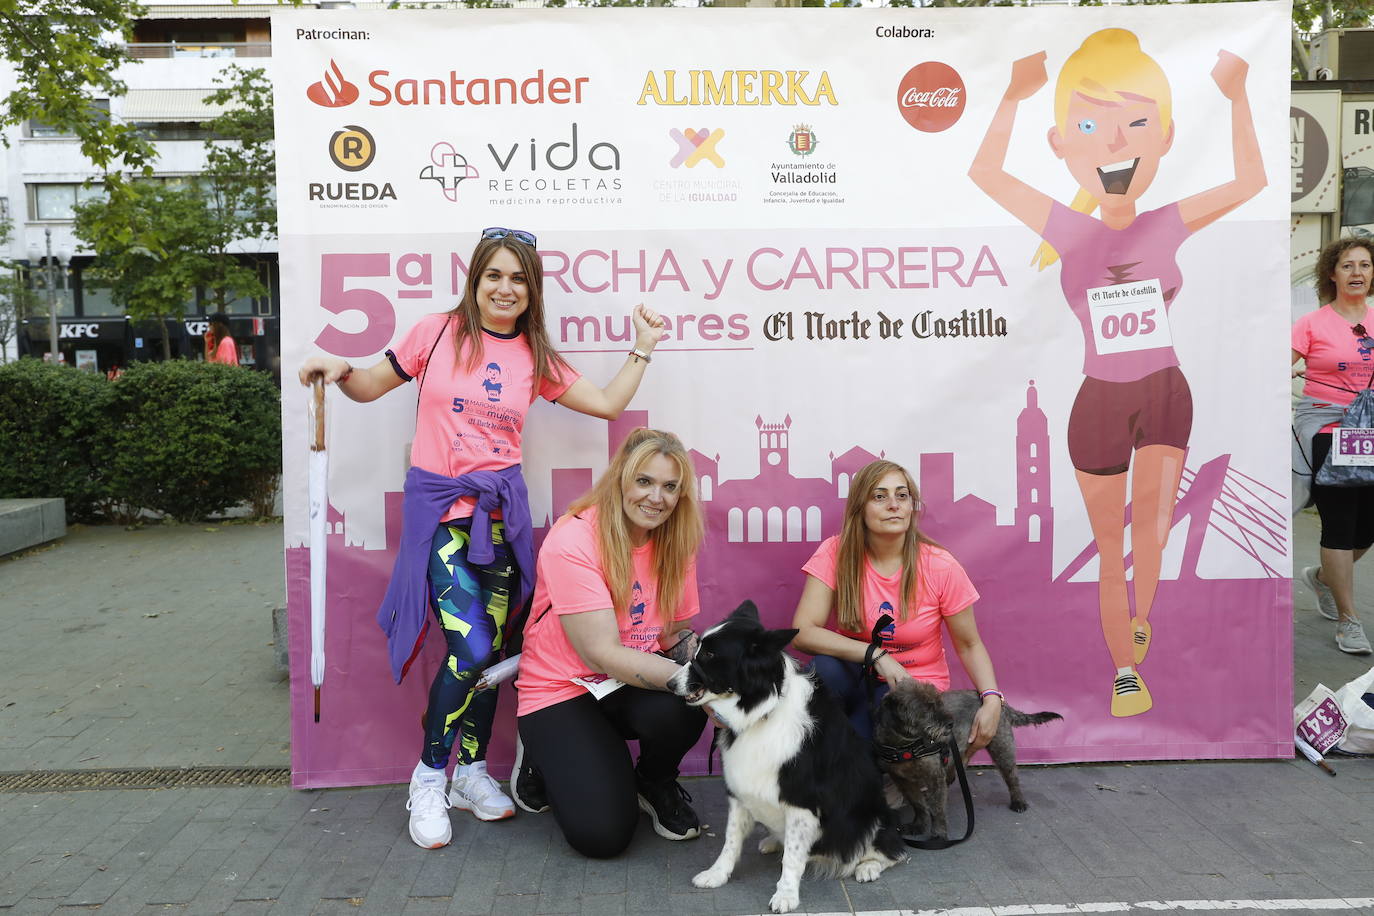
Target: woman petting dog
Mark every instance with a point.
(466, 552)
(881, 564)
(616, 584)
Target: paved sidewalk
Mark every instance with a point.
(88, 680)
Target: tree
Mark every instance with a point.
(65, 55)
(1311, 17)
(239, 180)
(152, 245)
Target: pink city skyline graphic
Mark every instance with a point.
(1040, 626)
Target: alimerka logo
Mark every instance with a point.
(333, 91)
(737, 87)
(931, 97)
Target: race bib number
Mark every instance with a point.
(1353, 446)
(1129, 317)
(599, 685)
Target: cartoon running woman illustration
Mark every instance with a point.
(636, 605)
(492, 383)
(1134, 411)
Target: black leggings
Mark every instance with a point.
(1347, 513)
(579, 747)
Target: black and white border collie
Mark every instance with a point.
(792, 761)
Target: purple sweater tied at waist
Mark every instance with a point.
(404, 614)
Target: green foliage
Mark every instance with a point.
(65, 54)
(184, 439)
(240, 172)
(54, 422)
(192, 439)
(152, 246)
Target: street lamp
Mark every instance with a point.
(51, 262)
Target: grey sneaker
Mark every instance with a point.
(1326, 602)
(1350, 638)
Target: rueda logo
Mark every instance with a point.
(696, 145)
(352, 148)
(931, 97)
(333, 91)
(449, 168)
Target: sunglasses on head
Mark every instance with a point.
(1364, 339)
(520, 235)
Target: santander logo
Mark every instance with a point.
(333, 91)
(931, 97)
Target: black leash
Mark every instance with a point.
(950, 750)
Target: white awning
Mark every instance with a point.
(169, 105)
(211, 10)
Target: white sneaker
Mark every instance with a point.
(428, 807)
(1350, 638)
(477, 792)
(1326, 602)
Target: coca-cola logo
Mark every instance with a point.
(333, 91)
(931, 96)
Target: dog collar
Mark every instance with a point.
(900, 753)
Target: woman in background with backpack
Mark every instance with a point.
(1336, 342)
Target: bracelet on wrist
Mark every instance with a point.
(638, 353)
(993, 693)
(343, 378)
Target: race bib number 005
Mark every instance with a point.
(1353, 446)
(1129, 317)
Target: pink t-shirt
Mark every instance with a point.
(470, 421)
(1333, 354)
(571, 582)
(227, 352)
(943, 589)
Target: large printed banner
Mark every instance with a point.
(840, 213)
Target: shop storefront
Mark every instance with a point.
(110, 343)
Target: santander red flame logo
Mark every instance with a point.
(333, 91)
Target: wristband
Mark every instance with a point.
(640, 354)
(343, 378)
(881, 653)
(993, 693)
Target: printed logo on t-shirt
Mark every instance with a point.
(889, 631)
(636, 605)
(492, 382)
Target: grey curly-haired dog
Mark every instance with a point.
(915, 713)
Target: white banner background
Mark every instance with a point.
(958, 400)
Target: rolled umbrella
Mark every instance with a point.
(319, 542)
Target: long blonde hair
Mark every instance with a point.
(467, 330)
(853, 552)
(675, 541)
(1107, 64)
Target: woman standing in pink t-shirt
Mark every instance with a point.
(1335, 341)
(219, 343)
(617, 587)
(479, 368)
(882, 565)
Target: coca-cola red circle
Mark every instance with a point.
(931, 96)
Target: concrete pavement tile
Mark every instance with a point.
(400, 864)
(478, 885)
(1351, 883)
(614, 905)
(563, 879)
(431, 906)
(1037, 889)
(32, 908)
(249, 908)
(439, 872)
(607, 876)
(336, 906)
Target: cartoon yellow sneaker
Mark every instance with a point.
(1140, 636)
(1130, 696)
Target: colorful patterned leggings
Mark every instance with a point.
(471, 603)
